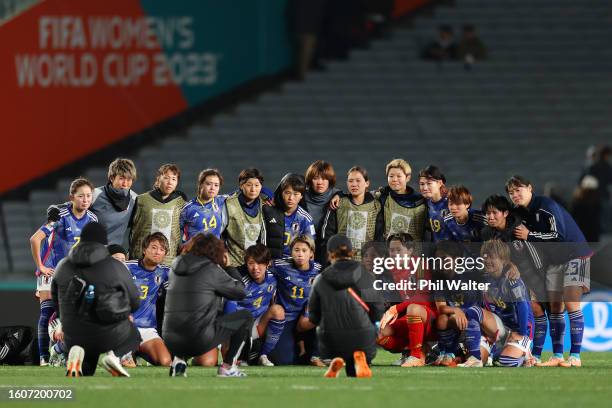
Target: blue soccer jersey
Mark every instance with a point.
(293, 286)
(453, 293)
(298, 223)
(62, 235)
(468, 231)
(149, 283)
(197, 216)
(435, 216)
(509, 299)
(258, 295)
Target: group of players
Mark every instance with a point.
(277, 240)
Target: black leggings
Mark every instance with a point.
(93, 351)
(235, 327)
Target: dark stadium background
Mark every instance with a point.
(534, 106)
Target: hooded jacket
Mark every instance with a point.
(335, 310)
(93, 263)
(193, 298)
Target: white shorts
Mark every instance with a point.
(149, 333)
(503, 338)
(43, 282)
(576, 272)
(254, 331)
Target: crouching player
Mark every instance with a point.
(150, 275)
(406, 327)
(509, 301)
(260, 287)
(452, 303)
(294, 277)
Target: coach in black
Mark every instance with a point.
(191, 325)
(103, 327)
(345, 305)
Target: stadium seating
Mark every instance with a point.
(532, 108)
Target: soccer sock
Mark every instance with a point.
(557, 332)
(416, 330)
(447, 341)
(46, 310)
(541, 325)
(576, 320)
(273, 333)
(60, 347)
(474, 313)
(472, 338)
(508, 361)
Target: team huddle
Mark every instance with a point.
(292, 249)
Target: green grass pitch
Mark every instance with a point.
(391, 387)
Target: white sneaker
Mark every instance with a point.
(264, 361)
(111, 363)
(471, 362)
(233, 371)
(399, 361)
(43, 362)
(178, 368)
(74, 365)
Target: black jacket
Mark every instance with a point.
(334, 309)
(196, 288)
(107, 274)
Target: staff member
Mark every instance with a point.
(191, 326)
(84, 333)
(345, 305)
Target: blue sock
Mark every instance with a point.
(472, 338)
(508, 361)
(539, 336)
(273, 333)
(447, 341)
(46, 310)
(60, 347)
(576, 320)
(474, 313)
(557, 332)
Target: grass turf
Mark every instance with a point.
(299, 386)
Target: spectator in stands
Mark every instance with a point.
(442, 49)
(114, 202)
(307, 18)
(471, 48)
(602, 170)
(586, 208)
(159, 211)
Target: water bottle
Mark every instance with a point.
(89, 295)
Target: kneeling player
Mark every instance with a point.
(451, 304)
(260, 286)
(294, 277)
(150, 276)
(509, 300)
(407, 326)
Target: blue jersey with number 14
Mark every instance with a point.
(197, 217)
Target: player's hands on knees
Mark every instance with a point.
(46, 271)
(460, 319)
